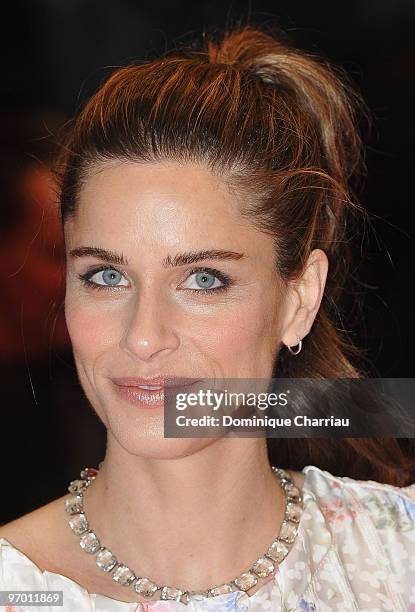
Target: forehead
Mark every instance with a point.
(132, 188)
(133, 206)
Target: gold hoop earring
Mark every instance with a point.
(300, 345)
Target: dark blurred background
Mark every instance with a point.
(55, 55)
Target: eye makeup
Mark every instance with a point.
(226, 280)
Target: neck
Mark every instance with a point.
(194, 521)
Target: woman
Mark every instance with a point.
(206, 207)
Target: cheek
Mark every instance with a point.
(90, 332)
(242, 334)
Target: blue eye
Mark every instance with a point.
(207, 280)
(109, 276)
(204, 280)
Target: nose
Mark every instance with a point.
(149, 330)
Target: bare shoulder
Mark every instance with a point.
(37, 534)
(44, 537)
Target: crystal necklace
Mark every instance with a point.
(123, 575)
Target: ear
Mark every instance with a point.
(304, 297)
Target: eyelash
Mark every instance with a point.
(224, 278)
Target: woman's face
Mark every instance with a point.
(150, 315)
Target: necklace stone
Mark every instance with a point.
(263, 567)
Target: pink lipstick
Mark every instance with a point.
(149, 392)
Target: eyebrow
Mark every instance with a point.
(180, 259)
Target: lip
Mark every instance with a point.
(164, 381)
(141, 397)
(128, 389)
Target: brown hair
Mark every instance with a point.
(279, 126)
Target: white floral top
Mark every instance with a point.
(355, 550)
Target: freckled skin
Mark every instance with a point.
(156, 323)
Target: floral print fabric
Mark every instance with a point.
(355, 550)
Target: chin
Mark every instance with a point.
(171, 448)
(162, 448)
(148, 441)
(141, 433)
